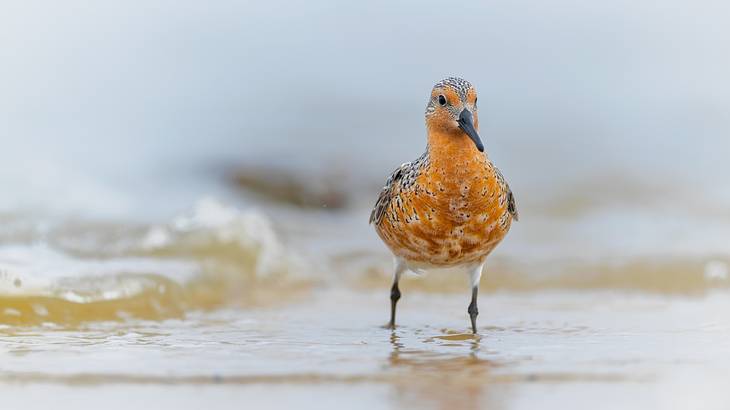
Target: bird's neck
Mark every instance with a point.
(453, 149)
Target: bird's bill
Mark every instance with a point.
(466, 123)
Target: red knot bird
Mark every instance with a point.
(450, 207)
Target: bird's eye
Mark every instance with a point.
(442, 100)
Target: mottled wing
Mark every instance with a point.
(511, 204)
(389, 190)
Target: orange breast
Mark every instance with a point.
(455, 212)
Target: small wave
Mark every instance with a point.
(213, 256)
(216, 231)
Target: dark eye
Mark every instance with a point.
(442, 100)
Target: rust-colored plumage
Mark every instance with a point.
(450, 207)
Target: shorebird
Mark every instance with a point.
(450, 207)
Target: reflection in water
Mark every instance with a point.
(451, 374)
(548, 351)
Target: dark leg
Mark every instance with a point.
(473, 309)
(394, 296)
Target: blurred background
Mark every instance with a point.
(216, 163)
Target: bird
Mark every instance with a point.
(450, 207)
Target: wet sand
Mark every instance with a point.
(548, 349)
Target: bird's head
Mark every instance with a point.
(452, 109)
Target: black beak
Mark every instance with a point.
(466, 123)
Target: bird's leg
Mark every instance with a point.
(473, 310)
(395, 291)
(394, 296)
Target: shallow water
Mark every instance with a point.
(276, 306)
(332, 349)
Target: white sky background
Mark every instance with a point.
(109, 89)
